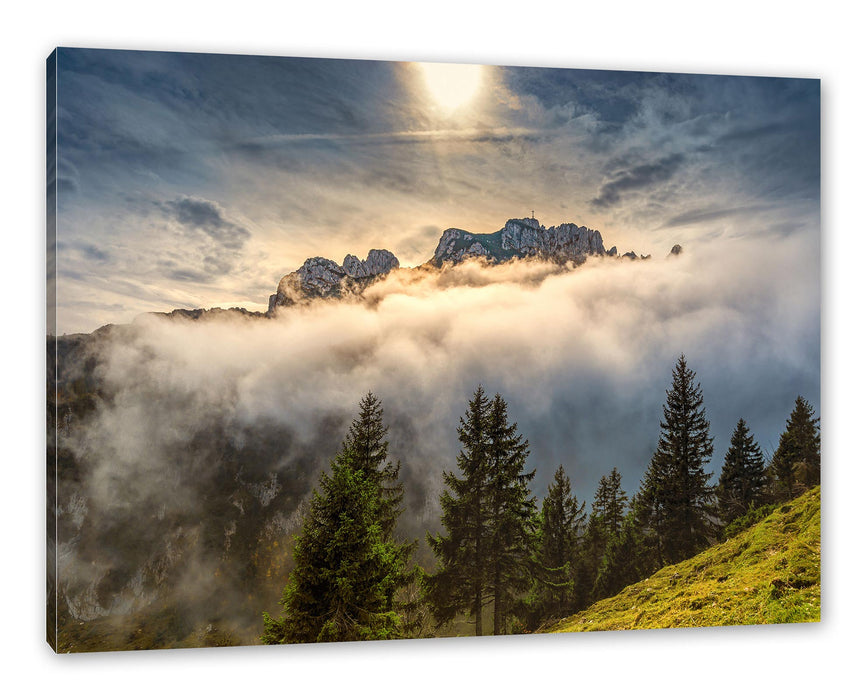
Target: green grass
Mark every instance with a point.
(770, 573)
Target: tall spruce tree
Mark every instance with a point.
(367, 440)
(675, 500)
(511, 507)
(742, 483)
(458, 584)
(796, 464)
(348, 567)
(561, 523)
(488, 517)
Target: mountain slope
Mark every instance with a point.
(768, 574)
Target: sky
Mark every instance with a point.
(198, 180)
(195, 180)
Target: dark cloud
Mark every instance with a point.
(208, 217)
(750, 135)
(638, 177)
(189, 239)
(67, 185)
(94, 253)
(612, 96)
(703, 215)
(171, 270)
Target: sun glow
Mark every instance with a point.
(452, 84)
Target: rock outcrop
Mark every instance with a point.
(521, 238)
(378, 262)
(320, 278)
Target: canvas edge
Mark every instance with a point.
(51, 336)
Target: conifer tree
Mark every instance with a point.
(609, 503)
(624, 560)
(348, 567)
(487, 513)
(650, 507)
(742, 483)
(561, 523)
(367, 440)
(511, 506)
(464, 550)
(591, 549)
(796, 463)
(675, 499)
(605, 525)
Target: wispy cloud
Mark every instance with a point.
(203, 216)
(699, 216)
(421, 135)
(638, 177)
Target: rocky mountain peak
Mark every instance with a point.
(521, 238)
(321, 277)
(378, 262)
(528, 222)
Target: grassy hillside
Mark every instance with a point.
(768, 574)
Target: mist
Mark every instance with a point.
(218, 425)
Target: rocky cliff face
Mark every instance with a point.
(320, 278)
(521, 238)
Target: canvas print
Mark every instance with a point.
(345, 350)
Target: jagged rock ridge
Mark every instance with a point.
(320, 277)
(521, 238)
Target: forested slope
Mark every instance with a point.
(770, 573)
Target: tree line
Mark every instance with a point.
(504, 563)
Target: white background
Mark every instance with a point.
(822, 40)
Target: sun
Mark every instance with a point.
(452, 84)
